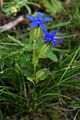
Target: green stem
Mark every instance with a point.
(34, 56)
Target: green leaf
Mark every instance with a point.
(52, 56)
(44, 50)
(29, 78)
(42, 74)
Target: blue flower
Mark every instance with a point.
(50, 37)
(38, 21)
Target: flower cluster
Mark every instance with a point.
(39, 22)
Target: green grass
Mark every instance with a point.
(37, 81)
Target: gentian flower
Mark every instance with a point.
(38, 21)
(50, 37)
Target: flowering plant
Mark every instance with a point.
(41, 50)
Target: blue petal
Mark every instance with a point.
(59, 40)
(43, 27)
(33, 24)
(46, 39)
(54, 33)
(54, 43)
(39, 15)
(46, 33)
(46, 19)
(31, 18)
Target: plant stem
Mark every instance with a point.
(34, 56)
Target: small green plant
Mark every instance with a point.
(14, 6)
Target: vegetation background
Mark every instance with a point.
(55, 93)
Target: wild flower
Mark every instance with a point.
(50, 37)
(38, 21)
(14, 9)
